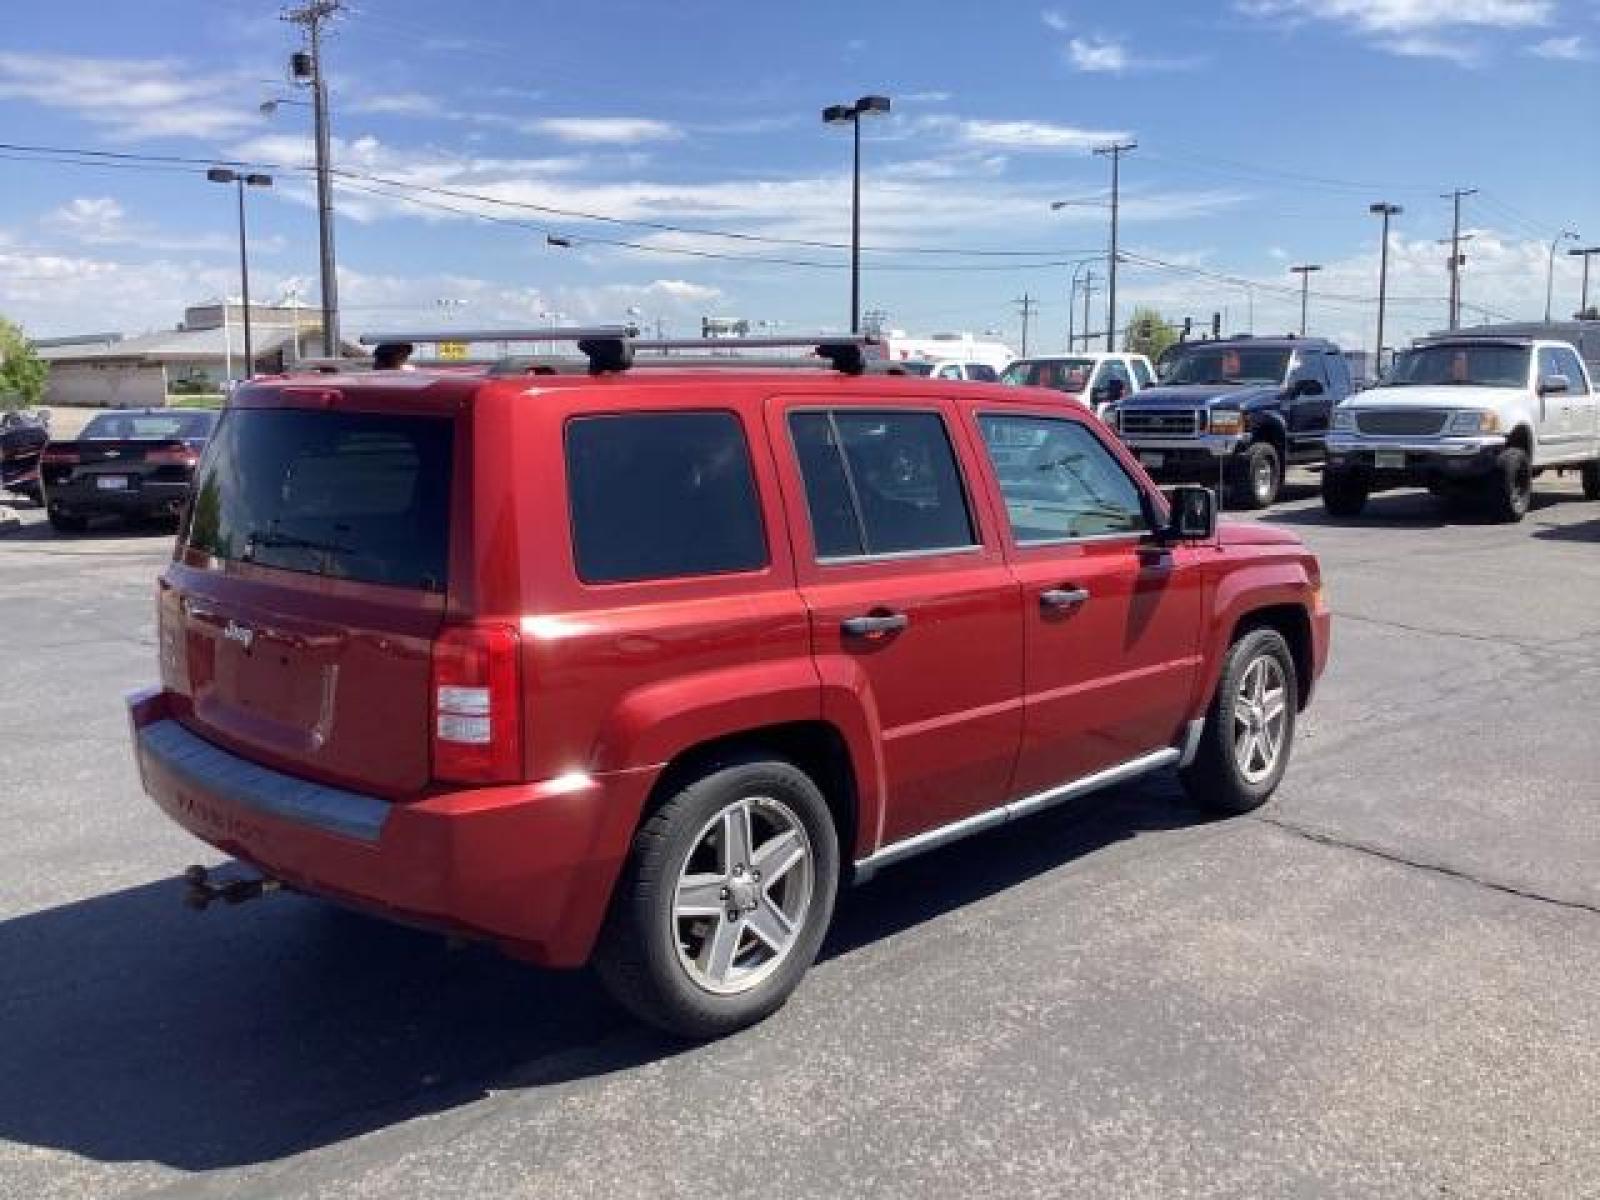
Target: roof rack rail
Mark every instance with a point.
(612, 347)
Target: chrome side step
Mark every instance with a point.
(1025, 806)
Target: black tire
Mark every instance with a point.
(1591, 480)
(62, 523)
(1258, 476)
(1344, 493)
(637, 957)
(1216, 780)
(1510, 486)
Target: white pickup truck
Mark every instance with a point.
(1094, 379)
(1467, 416)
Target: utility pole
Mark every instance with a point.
(1384, 210)
(1550, 269)
(311, 15)
(1025, 305)
(1456, 260)
(1088, 294)
(1305, 272)
(1115, 151)
(1586, 253)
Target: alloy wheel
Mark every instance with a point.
(1260, 718)
(743, 895)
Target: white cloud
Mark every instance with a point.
(1566, 49)
(1033, 135)
(1097, 54)
(89, 219)
(131, 98)
(102, 221)
(403, 104)
(1403, 16)
(608, 130)
(1465, 54)
(1054, 19)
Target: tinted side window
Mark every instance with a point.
(982, 372)
(880, 483)
(1059, 481)
(1142, 373)
(662, 495)
(1310, 366)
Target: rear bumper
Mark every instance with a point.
(78, 499)
(530, 866)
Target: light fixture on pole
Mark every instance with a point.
(1584, 253)
(851, 114)
(241, 180)
(1305, 271)
(1384, 210)
(1550, 270)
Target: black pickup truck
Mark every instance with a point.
(1237, 411)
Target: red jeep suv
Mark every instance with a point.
(638, 663)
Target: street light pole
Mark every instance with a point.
(1385, 210)
(1550, 270)
(838, 114)
(240, 180)
(1305, 272)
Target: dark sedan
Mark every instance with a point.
(137, 464)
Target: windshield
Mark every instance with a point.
(361, 496)
(1063, 374)
(164, 427)
(1462, 366)
(1228, 365)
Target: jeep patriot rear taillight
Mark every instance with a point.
(477, 717)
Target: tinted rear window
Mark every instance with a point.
(662, 496)
(360, 496)
(122, 427)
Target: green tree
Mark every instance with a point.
(22, 371)
(1148, 333)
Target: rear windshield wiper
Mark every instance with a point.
(271, 540)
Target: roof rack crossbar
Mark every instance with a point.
(556, 334)
(612, 347)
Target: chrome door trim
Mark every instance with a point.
(1025, 806)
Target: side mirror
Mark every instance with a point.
(1307, 387)
(1552, 385)
(1193, 515)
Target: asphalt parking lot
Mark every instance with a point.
(1386, 983)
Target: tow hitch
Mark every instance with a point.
(204, 890)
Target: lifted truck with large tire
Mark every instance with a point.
(1471, 417)
(1238, 412)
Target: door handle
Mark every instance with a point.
(1060, 598)
(874, 624)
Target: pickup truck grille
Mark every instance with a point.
(1162, 422)
(1401, 422)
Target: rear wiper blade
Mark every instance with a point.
(270, 540)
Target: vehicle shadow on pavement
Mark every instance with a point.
(134, 1030)
(1582, 531)
(1410, 509)
(105, 531)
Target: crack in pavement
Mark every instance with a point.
(1326, 838)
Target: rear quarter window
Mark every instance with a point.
(662, 496)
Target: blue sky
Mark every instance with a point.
(1265, 128)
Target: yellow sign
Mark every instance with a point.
(454, 351)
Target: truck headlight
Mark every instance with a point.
(1227, 420)
(1475, 422)
(1344, 421)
